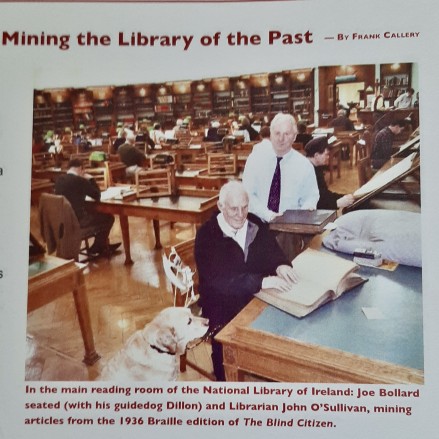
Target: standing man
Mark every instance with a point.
(382, 145)
(236, 256)
(279, 178)
(76, 185)
(317, 151)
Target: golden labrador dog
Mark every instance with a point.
(152, 353)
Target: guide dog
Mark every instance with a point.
(152, 353)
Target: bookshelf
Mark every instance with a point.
(182, 98)
(123, 98)
(83, 112)
(222, 98)
(101, 107)
(397, 78)
(279, 93)
(43, 115)
(62, 109)
(143, 101)
(241, 95)
(201, 99)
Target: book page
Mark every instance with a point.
(322, 269)
(320, 275)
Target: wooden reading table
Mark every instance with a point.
(51, 277)
(189, 206)
(336, 343)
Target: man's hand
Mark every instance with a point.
(275, 215)
(345, 201)
(287, 273)
(276, 283)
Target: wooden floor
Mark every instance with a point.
(122, 299)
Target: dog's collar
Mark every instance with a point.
(161, 351)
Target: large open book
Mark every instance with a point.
(322, 277)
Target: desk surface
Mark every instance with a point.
(336, 343)
(183, 203)
(396, 338)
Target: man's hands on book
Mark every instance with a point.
(283, 282)
(276, 283)
(287, 273)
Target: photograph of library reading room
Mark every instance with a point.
(264, 227)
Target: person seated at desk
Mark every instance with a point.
(246, 126)
(212, 133)
(302, 136)
(382, 145)
(130, 156)
(157, 135)
(279, 178)
(317, 151)
(236, 256)
(76, 185)
(342, 122)
(143, 136)
(119, 140)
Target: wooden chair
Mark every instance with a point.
(61, 231)
(101, 177)
(221, 164)
(153, 183)
(83, 156)
(182, 255)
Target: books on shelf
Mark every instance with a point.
(323, 277)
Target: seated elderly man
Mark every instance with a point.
(236, 256)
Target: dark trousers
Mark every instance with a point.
(101, 223)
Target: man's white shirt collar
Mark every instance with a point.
(238, 235)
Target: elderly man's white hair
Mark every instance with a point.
(281, 117)
(231, 187)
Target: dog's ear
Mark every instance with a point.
(167, 340)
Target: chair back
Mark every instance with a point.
(101, 176)
(153, 183)
(221, 164)
(59, 225)
(83, 156)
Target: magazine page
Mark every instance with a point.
(76, 75)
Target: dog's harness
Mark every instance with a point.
(161, 351)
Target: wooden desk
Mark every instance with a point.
(188, 207)
(350, 139)
(336, 343)
(51, 277)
